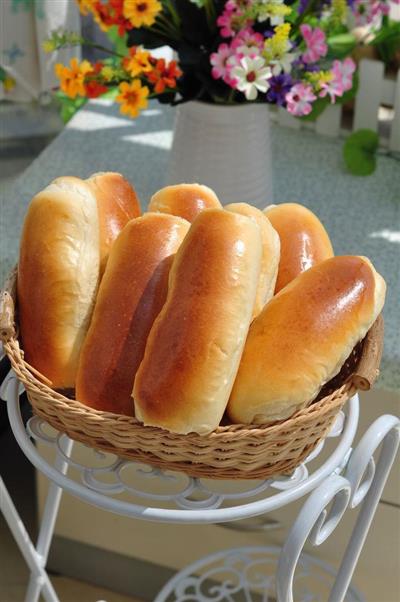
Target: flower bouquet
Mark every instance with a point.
(292, 54)
(296, 55)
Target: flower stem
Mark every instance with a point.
(309, 8)
(173, 32)
(231, 96)
(210, 14)
(175, 16)
(102, 48)
(162, 31)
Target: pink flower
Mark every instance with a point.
(219, 61)
(248, 37)
(334, 88)
(315, 42)
(231, 5)
(228, 21)
(344, 71)
(240, 51)
(233, 19)
(225, 22)
(369, 11)
(299, 99)
(341, 81)
(230, 80)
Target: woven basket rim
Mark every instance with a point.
(233, 451)
(362, 379)
(31, 382)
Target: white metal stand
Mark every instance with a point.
(345, 480)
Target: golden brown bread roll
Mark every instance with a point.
(184, 200)
(194, 348)
(131, 295)
(117, 203)
(58, 275)
(270, 254)
(304, 240)
(303, 336)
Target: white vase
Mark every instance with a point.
(225, 147)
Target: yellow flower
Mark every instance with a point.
(107, 73)
(86, 6)
(141, 12)
(339, 12)
(91, 6)
(278, 45)
(72, 79)
(272, 10)
(317, 78)
(133, 97)
(8, 83)
(48, 45)
(138, 62)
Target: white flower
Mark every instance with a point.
(282, 63)
(251, 76)
(274, 10)
(247, 51)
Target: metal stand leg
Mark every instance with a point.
(48, 523)
(36, 558)
(361, 483)
(385, 430)
(25, 545)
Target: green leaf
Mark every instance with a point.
(119, 42)
(318, 107)
(111, 93)
(387, 41)
(359, 152)
(341, 45)
(69, 106)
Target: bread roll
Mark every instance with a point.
(270, 254)
(117, 203)
(184, 200)
(304, 240)
(302, 338)
(58, 275)
(131, 295)
(194, 348)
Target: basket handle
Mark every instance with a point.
(7, 328)
(7, 308)
(367, 370)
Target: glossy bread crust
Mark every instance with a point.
(184, 200)
(303, 336)
(117, 203)
(132, 292)
(304, 240)
(270, 255)
(194, 348)
(58, 276)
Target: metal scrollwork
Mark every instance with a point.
(187, 493)
(363, 482)
(247, 574)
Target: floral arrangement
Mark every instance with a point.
(294, 54)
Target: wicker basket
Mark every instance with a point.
(230, 452)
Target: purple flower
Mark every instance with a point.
(268, 33)
(302, 6)
(300, 64)
(279, 86)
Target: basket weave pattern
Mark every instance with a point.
(230, 452)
